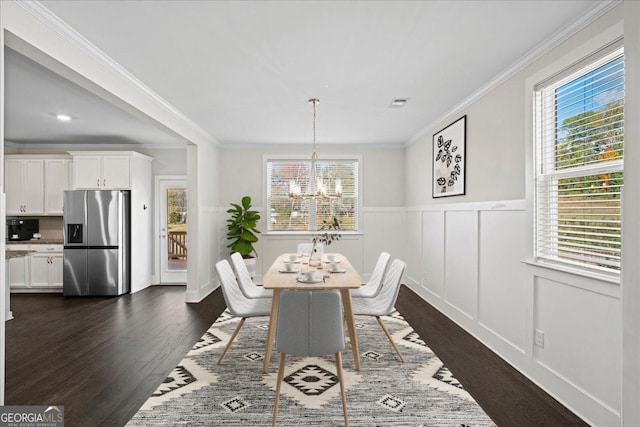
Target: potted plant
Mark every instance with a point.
(242, 231)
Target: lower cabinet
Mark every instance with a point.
(18, 269)
(39, 272)
(46, 270)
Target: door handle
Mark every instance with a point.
(104, 182)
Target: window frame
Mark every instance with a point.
(543, 176)
(306, 158)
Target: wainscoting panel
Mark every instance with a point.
(205, 246)
(502, 276)
(413, 252)
(582, 338)
(382, 230)
(474, 266)
(461, 261)
(380, 233)
(273, 245)
(432, 265)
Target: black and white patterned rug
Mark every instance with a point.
(420, 392)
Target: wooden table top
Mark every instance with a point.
(274, 279)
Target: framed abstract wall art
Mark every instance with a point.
(449, 159)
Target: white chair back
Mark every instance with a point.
(387, 296)
(306, 248)
(373, 286)
(247, 285)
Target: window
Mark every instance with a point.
(286, 214)
(579, 137)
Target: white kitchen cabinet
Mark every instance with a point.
(46, 267)
(56, 181)
(40, 271)
(19, 268)
(35, 184)
(101, 171)
(24, 186)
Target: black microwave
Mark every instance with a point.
(22, 229)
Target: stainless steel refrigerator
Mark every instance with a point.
(96, 243)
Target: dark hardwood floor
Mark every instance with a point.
(506, 395)
(102, 357)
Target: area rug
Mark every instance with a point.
(386, 392)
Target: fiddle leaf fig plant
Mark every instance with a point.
(241, 228)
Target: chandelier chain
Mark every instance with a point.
(314, 101)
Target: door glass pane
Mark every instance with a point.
(177, 229)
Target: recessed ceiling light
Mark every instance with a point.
(398, 102)
(63, 117)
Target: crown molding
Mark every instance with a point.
(44, 15)
(545, 47)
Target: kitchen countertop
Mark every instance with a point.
(16, 254)
(36, 242)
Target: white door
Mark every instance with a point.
(173, 231)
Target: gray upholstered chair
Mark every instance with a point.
(247, 285)
(373, 286)
(310, 324)
(237, 303)
(382, 304)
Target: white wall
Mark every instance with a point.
(382, 214)
(141, 223)
(465, 254)
(204, 223)
(631, 209)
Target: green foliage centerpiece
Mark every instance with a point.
(330, 232)
(242, 228)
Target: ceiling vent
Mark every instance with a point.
(398, 102)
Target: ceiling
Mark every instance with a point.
(244, 70)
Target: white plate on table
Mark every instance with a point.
(340, 270)
(335, 261)
(297, 270)
(314, 280)
(288, 261)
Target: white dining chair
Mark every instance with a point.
(382, 304)
(310, 324)
(373, 286)
(238, 304)
(307, 248)
(247, 285)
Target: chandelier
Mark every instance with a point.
(316, 187)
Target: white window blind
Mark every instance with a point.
(286, 214)
(579, 140)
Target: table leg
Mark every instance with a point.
(271, 335)
(351, 325)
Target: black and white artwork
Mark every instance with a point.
(449, 159)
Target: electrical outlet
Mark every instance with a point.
(539, 338)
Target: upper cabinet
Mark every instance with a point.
(24, 186)
(102, 171)
(34, 185)
(57, 179)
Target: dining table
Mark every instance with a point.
(280, 278)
